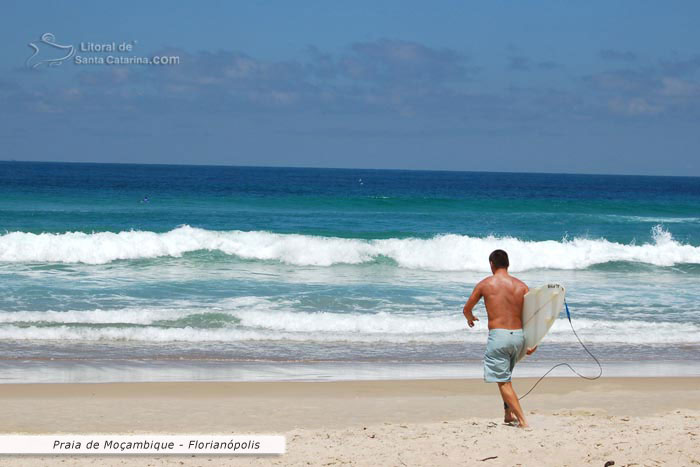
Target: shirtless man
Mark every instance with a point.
(503, 296)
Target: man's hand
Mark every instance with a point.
(531, 350)
(470, 319)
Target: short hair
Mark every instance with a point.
(499, 259)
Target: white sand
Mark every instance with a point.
(632, 421)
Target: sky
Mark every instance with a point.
(549, 86)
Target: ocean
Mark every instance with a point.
(117, 272)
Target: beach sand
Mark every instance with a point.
(631, 421)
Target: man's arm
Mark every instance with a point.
(471, 303)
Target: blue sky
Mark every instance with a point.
(582, 87)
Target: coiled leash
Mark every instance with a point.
(590, 378)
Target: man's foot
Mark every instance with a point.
(509, 417)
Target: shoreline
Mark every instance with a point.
(183, 371)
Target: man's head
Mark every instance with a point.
(498, 260)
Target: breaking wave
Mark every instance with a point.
(446, 252)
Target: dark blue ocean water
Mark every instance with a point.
(243, 265)
(42, 197)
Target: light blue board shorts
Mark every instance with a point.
(502, 350)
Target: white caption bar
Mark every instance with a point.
(142, 444)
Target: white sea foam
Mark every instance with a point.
(254, 321)
(140, 316)
(656, 220)
(147, 315)
(448, 252)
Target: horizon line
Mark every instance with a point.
(338, 168)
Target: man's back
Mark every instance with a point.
(503, 296)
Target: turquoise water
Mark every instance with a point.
(233, 272)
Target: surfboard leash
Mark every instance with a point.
(590, 378)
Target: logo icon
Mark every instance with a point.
(49, 47)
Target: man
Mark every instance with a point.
(503, 296)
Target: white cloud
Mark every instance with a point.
(633, 106)
(675, 87)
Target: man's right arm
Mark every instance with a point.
(471, 303)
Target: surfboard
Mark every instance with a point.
(541, 309)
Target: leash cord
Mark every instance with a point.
(590, 378)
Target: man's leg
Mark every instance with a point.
(508, 416)
(511, 399)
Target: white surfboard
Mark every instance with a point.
(540, 310)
